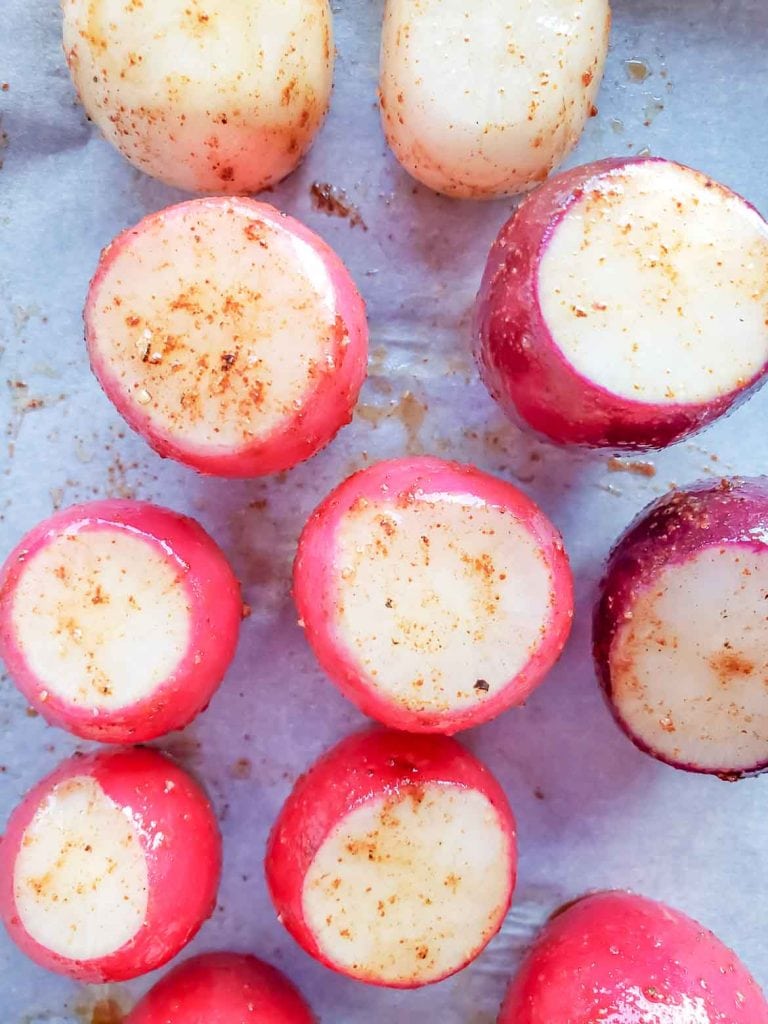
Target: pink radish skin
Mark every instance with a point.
(688, 688)
(222, 988)
(394, 864)
(172, 841)
(528, 372)
(207, 596)
(463, 695)
(194, 319)
(625, 959)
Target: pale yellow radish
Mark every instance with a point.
(206, 95)
(483, 99)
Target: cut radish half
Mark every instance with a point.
(230, 336)
(681, 629)
(622, 959)
(109, 866)
(435, 596)
(393, 861)
(118, 619)
(608, 298)
(222, 988)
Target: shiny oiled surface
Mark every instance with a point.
(646, 276)
(592, 811)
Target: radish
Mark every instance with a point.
(220, 96)
(109, 866)
(434, 596)
(607, 299)
(222, 988)
(483, 99)
(623, 959)
(118, 619)
(681, 628)
(230, 336)
(393, 860)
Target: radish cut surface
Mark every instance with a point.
(644, 276)
(394, 858)
(434, 595)
(407, 888)
(681, 628)
(79, 606)
(228, 335)
(80, 878)
(449, 575)
(118, 619)
(625, 305)
(688, 669)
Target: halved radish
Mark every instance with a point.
(118, 619)
(624, 959)
(109, 866)
(230, 336)
(394, 858)
(681, 628)
(222, 988)
(606, 300)
(484, 99)
(225, 95)
(434, 596)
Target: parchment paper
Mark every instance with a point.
(592, 811)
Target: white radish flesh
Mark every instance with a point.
(441, 602)
(207, 95)
(484, 99)
(688, 669)
(230, 336)
(79, 606)
(407, 888)
(645, 275)
(80, 875)
(434, 595)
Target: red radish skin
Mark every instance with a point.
(408, 649)
(222, 988)
(230, 336)
(680, 633)
(394, 905)
(80, 597)
(115, 839)
(695, 276)
(624, 959)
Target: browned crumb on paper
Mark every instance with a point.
(241, 769)
(408, 409)
(637, 70)
(333, 200)
(104, 1011)
(635, 466)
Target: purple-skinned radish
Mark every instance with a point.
(625, 305)
(681, 628)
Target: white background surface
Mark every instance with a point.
(592, 811)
